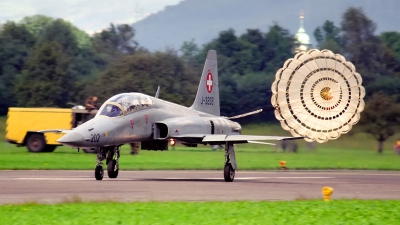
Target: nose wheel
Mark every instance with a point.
(99, 172)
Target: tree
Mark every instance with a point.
(253, 93)
(143, 72)
(47, 80)
(253, 42)
(227, 46)
(189, 50)
(328, 37)
(61, 32)
(115, 40)
(246, 65)
(228, 92)
(227, 43)
(279, 45)
(380, 118)
(362, 47)
(15, 45)
(38, 23)
(392, 41)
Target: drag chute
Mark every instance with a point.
(317, 95)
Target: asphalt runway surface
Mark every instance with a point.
(67, 186)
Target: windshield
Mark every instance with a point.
(111, 110)
(125, 103)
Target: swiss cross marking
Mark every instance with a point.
(209, 82)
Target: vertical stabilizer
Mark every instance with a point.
(207, 97)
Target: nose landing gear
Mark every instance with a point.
(111, 154)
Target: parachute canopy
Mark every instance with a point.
(317, 95)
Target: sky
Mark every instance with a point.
(88, 15)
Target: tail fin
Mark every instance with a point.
(207, 97)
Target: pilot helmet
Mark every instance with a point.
(109, 108)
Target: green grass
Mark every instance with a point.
(348, 152)
(242, 212)
(12, 157)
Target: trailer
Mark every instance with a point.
(23, 126)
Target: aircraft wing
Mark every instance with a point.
(205, 138)
(241, 138)
(55, 131)
(260, 142)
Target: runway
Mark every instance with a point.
(63, 186)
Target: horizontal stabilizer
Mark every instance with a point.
(245, 114)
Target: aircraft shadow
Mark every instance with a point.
(206, 180)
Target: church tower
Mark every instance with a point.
(303, 40)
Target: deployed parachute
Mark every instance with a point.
(317, 95)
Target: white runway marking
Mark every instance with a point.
(304, 177)
(51, 178)
(254, 178)
(171, 178)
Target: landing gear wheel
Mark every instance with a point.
(110, 169)
(99, 172)
(229, 173)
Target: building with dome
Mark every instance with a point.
(303, 40)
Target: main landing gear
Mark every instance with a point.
(230, 162)
(111, 154)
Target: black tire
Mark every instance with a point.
(229, 173)
(99, 173)
(36, 143)
(110, 169)
(89, 150)
(50, 148)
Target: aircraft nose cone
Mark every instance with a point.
(72, 139)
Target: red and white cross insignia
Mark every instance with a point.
(209, 81)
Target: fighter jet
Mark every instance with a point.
(136, 117)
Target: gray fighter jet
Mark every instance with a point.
(135, 117)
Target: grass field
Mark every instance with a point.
(242, 212)
(348, 152)
(12, 157)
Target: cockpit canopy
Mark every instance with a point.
(123, 104)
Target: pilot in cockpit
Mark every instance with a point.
(113, 111)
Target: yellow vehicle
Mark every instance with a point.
(23, 125)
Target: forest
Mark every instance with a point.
(49, 62)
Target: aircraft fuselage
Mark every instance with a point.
(159, 121)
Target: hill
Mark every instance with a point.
(202, 20)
